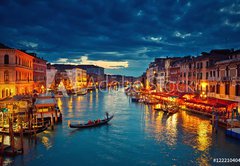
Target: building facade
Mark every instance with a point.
(216, 74)
(39, 74)
(77, 77)
(16, 72)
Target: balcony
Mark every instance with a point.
(226, 78)
(236, 78)
(213, 79)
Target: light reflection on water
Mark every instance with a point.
(138, 135)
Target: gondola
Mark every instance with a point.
(25, 131)
(87, 125)
(82, 92)
(172, 111)
(158, 109)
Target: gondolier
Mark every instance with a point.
(107, 115)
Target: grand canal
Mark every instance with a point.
(136, 136)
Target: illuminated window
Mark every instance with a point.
(6, 75)
(6, 59)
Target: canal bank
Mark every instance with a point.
(137, 135)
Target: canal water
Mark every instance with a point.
(137, 135)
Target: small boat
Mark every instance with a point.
(87, 125)
(172, 111)
(158, 109)
(25, 131)
(134, 99)
(82, 92)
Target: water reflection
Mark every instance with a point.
(46, 142)
(171, 129)
(138, 135)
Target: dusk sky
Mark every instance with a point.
(123, 36)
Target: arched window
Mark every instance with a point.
(227, 71)
(7, 93)
(3, 93)
(238, 70)
(6, 75)
(237, 90)
(218, 89)
(6, 59)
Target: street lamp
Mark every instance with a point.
(203, 95)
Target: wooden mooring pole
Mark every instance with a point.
(11, 134)
(21, 137)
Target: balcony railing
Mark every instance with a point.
(236, 78)
(226, 78)
(213, 79)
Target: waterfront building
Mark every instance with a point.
(39, 74)
(226, 84)
(50, 77)
(214, 74)
(16, 72)
(77, 77)
(152, 73)
(70, 76)
(174, 72)
(187, 74)
(95, 73)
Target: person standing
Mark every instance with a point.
(107, 115)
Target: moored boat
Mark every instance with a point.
(93, 124)
(25, 131)
(82, 92)
(134, 99)
(172, 111)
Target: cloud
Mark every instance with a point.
(182, 35)
(85, 61)
(233, 9)
(119, 31)
(29, 45)
(231, 24)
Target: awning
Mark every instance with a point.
(42, 102)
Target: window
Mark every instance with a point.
(207, 64)
(207, 75)
(227, 89)
(218, 72)
(6, 59)
(212, 88)
(218, 89)
(214, 73)
(227, 71)
(190, 66)
(237, 90)
(6, 76)
(201, 65)
(238, 70)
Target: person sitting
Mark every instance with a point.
(90, 122)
